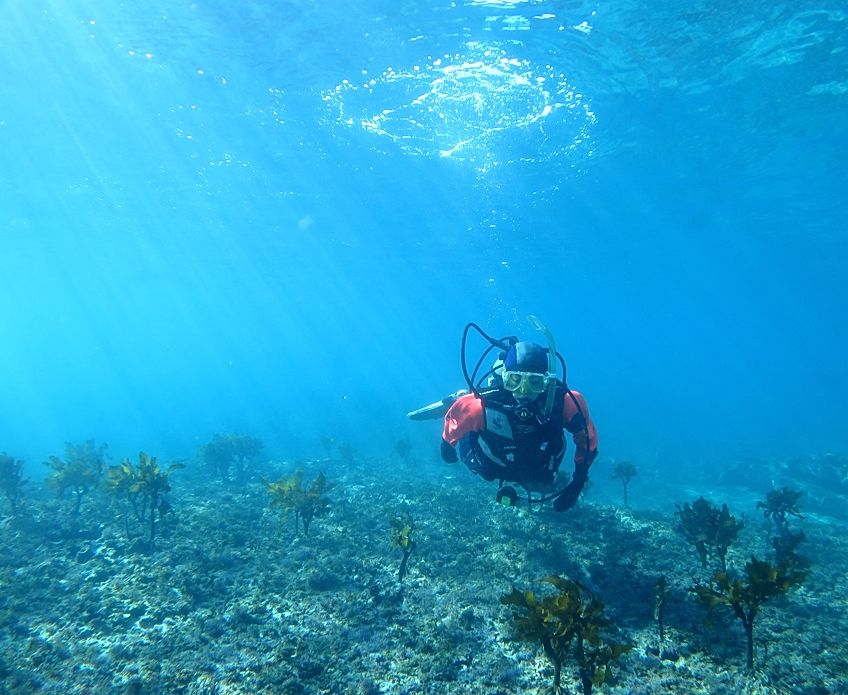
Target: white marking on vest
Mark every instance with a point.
(489, 454)
(497, 422)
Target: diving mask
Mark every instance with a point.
(525, 382)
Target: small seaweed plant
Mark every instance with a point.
(779, 505)
(12, 480)
(401, 536)
(403, 449)
(80, 471)
(291, 495)
(762, 582)
(625, 472)
(661, 591)
(347, 453)
(145, 484)
(231, 456)
(709, 528)
(327, 444)
(567, 623)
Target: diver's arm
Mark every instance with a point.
(575, 416)
(465, 415)
(578, 423)
(437, 410)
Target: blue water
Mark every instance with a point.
(276, 218)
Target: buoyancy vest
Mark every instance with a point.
(515, 446)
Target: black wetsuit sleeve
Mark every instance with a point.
(448, 453)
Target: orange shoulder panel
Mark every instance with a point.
(464, 416)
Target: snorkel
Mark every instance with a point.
(553, 355)
(552, 366)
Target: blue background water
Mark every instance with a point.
(276, 218)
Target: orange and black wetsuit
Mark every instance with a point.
(502, 438)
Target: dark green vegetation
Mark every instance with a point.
(327, 444)
(146, 484)
(709, 528)
(291, 495)
(662, 591)
(225, 602)
(567, 623)
(232, 456)
(625, 472)
(403, 449)
(80, 471)
(401, 536)
(12, 480)
(763, 582)
(347, 453)
(779, 505)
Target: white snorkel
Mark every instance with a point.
(552, 367)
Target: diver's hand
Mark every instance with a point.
(449, 454)
(568, 497)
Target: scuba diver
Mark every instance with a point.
(511, 429)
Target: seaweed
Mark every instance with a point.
(231, 451)
(347, 452)
(786, 550)
(569, 622)
(625, 472)
(401, 535)
(81, 470)
(11, 480)
(710, 529)
(402, 449)
(327, 443)
(661, 589)
(779, 504)
(147, 482)
(306, 503)
(762, 583)
(119, 480)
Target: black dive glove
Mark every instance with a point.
(568, 497)
(448, 453)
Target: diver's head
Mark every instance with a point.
(525, 370)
